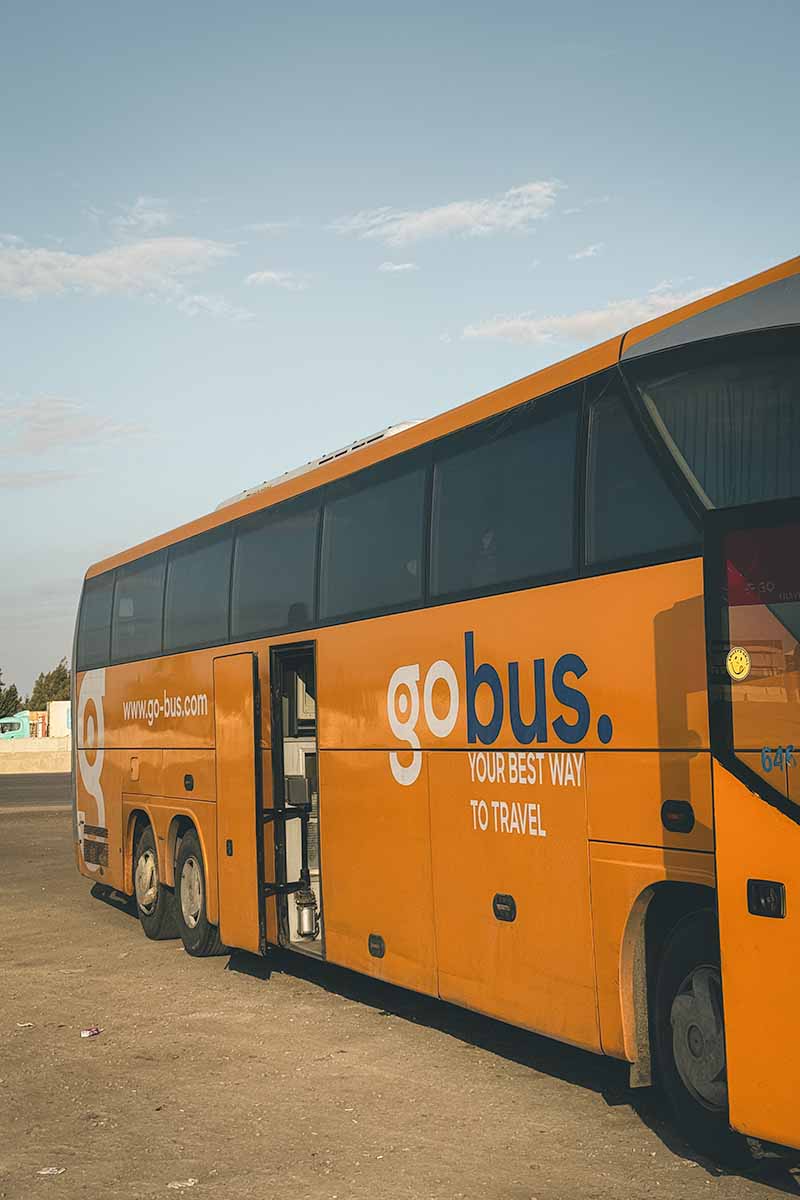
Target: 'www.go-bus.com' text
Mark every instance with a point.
(195, 705)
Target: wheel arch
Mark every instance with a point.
(138, 819)
(654, 914)
(179, 826)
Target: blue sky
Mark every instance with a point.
(235, 236)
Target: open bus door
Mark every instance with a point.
(752, 590)
(239, 805)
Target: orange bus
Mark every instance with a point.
(501, 706)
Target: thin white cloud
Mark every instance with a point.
(267, 227)
(48, 422)
(151, 267)
(514, 211)
(587, 325)
(393, 266)
(147, 215)
(16, 480)
(194, 303)
(587, 252)
(151, 264)
(283, 279)
(590, 203)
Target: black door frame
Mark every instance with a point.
(279, 656)
(771, 514)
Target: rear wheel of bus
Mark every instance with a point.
(155, 903)
(200, 938)
(689, 1037)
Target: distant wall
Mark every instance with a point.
(20, 756)
(58, 718)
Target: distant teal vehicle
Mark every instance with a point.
(18, 726)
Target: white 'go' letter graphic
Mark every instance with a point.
(403, 710)
(91, 736)
(441, 726)
(402, 704)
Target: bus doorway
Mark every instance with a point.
(298, 882)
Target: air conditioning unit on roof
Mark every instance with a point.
(390, 431)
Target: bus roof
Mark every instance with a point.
(725, 311)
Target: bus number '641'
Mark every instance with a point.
(777, 759)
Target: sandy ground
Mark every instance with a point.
(233, 1077)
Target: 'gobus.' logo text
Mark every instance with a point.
(403, 705)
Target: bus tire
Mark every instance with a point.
(200, 938)
(689, 1039)
(155, 902)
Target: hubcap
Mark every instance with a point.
(146, 881)
(698, 1037)
(191, 891)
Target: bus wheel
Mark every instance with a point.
(155, 903)
(689, 1038)
(200, 937)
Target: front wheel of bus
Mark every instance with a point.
(155, 903)
(689, 1038)
(200, 938)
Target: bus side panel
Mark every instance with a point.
(620, 876)
(376, 869)
(188, 774)
(759, 962)
(628, 789)
(458, 681)
(513, 926)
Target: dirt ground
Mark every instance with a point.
(230, 1077)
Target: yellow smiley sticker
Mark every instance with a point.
(738, 663)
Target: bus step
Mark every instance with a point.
(284, 814)
(281, 889)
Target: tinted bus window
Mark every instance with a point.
(273, 571)
(94, 626)
(372, 547)
(138, 604)
(730, 412)
(630, 510)
(198, 586)
(504, 499)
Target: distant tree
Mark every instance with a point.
(10, 702)
(50, 685)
